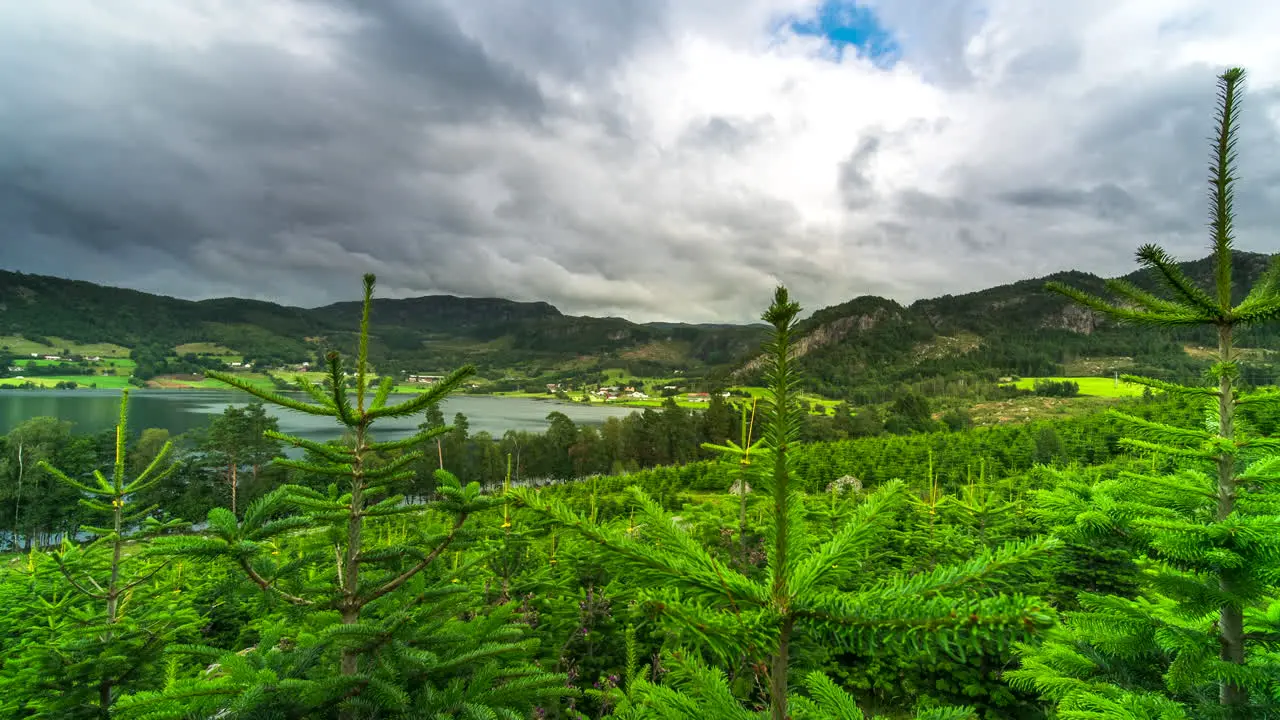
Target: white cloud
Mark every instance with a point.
(659, 160)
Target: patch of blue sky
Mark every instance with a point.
(848, 26)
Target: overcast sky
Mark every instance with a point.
(656, 159)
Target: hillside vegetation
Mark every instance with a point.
(757, 560)
(864, 350)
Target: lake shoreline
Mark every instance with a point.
(178, 411)
(178, 386)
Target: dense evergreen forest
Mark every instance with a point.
(748, 560)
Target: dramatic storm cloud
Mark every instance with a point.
(649, 158)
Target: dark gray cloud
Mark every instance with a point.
(919, 204)
(1107, 201)
(856, 188)
(636, 157)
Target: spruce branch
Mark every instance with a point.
(1162, 433)
(1194, 299)
(421, 565)
(328, 451)
(1265, 291)
(437, 392)
(831, 560)
(384, 391)
(268, 395)
(1173, 388)
(318, 393)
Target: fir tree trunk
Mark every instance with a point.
(113, 589)
(1231, 619)
(350, 570)
(17, 499)
(231, 473)
(778, 673)
(781, 561)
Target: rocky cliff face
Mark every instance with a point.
(1075, 319)
(829, 333)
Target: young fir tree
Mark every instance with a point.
(740, 452)
(1210, 532)
(811, 591)
(374, 630)
(107, 615)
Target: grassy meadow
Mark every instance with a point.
(108, 382)
(22, 346)
(1091, 386)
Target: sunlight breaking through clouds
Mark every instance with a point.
(653, 160)
(847, 25)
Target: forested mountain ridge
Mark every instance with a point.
(418, 334)
(863, 343)
(1016, 329)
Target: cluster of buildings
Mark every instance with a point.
(69, 358)
(630, 393)
(427, 379)
(614, 392)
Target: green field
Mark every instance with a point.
(22, 346)
(759, 392)
(1091, 386)
(102, 381)
(206, 348)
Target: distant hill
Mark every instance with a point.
(416, 334)
(868, 344)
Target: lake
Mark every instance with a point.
(181, 410)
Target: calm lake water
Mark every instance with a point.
(181, 410)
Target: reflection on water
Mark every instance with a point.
(181, 410)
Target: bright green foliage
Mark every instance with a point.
(697, 691)
(370, 624)
(99, 614)
(940, 529)
(811, 588)
(1210, 531)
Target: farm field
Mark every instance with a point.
(1091, 386)
(759, 392)
(205, 348)
(86, 381)
(22, 346)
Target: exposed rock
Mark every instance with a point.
(846, 483)
(1075, 319)
(828, 334)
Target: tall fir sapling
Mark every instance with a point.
(811, 589)
(369, 622)
(1208, 534)
(109, 610)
